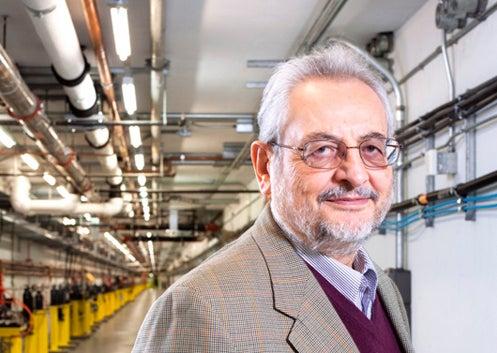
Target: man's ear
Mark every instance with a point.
(261, 154)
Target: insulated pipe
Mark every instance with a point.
(156, 74)
(55, 28)
(400, 235)
(24, 106)
(93, 25)
(22, 202)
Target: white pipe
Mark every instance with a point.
(22, 202)
(55, 28)
(100, 140)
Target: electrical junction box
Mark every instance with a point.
(440, 162)
(447, 163)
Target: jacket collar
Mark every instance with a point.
(317, 326)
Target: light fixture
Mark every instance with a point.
(135, 136)
(120, 30)
(146, 217)
(68, 221)
(182, 157)
(139, 161)
(129, 94)
(30, 161)
(87, 217)
(83, 198)
(151, 252)
(123, 248)
(143, 192)
(142, 180)
(49, 179)
(6, 139)
(61, 189)
(131, 214)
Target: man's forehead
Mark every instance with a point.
(341, 108)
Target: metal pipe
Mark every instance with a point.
(460, 34)
(450, 79)
(93, 24)
(156, 75)
(26, 107)
(400, 235)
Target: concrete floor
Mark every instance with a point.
(117, 334)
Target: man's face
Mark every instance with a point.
(332, 211)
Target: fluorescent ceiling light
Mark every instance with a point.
(151, 252)
(30, 161)
(61, 189)
(120, 30)
(129, 95)
(49, 179)
(6, 139)
(139, 161)
(143, 192)
(256, 84)
(123, 248)
(142, 180)
(135, 136)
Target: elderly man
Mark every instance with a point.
(299, 280)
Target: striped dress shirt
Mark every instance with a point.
(357, 284)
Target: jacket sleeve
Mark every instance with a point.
(182, 321)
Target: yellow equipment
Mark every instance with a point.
(10, 339)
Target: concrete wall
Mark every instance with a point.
(453, 264)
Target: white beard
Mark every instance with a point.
(302, 224)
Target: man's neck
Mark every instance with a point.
(347, 260)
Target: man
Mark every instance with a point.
(299, 279)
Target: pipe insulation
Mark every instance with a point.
(22, 203)
(24, 106)
(55, 28)
(156, 74)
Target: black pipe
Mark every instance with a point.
(462, 106)
(461, 189)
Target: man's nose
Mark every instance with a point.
(352, 169)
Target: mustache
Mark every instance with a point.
(338, 192)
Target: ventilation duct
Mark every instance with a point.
(55, 28)
(24, 106)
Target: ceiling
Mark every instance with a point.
(207, 44)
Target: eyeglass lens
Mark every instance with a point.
(374, 152)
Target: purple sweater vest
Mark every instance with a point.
(370, 336)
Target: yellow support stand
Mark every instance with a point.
(37, 341)
(54, 328)
(87, 317)
(100, 307)
(76, 318)
(65, 326)
(11, 337)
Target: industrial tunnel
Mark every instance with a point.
(125, 133)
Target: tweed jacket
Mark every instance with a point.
(255, 295)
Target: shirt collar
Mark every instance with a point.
(350, 282)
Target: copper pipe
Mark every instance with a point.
(92, 20)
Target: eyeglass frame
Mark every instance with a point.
(300, 151)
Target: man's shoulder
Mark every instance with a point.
(235, 266)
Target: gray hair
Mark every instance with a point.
(336, 60)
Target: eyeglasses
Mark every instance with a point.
(328, 154)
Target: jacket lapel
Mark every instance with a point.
(297, 294)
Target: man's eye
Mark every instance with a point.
(323, 151)
(373, 149)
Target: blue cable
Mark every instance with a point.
(480, 198)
